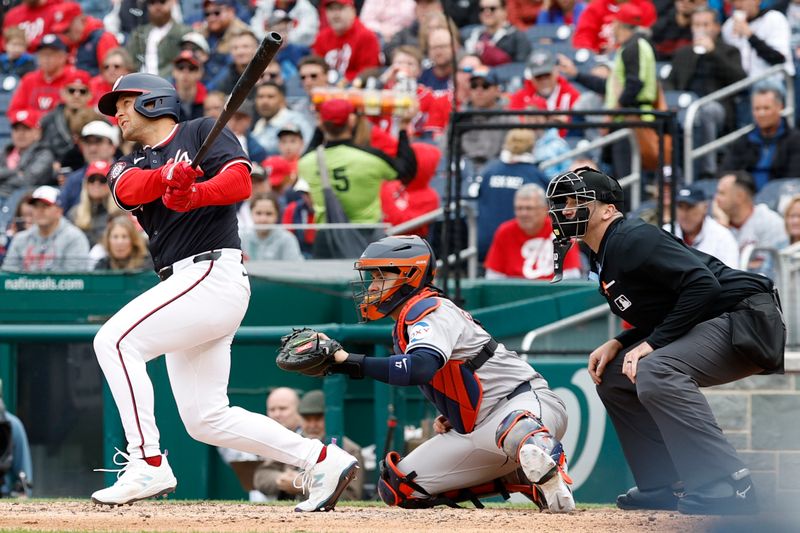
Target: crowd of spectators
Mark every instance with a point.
(364, 88)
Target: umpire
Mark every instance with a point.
(696, 323)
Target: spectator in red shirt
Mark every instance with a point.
(89, 42)
(594, 26)
(346, 44)
(545, 87)
(401, 202)
(523, 247)
(36, 17)
(40, 91)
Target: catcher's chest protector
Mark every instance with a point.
(455, 389)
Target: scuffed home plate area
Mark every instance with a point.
(182, 516)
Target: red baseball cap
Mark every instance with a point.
(97, 168)
(343, 2)
(336, 111)
(26, 117)
(188, 56)
(76, 76)
(629, 14)
(278, 169)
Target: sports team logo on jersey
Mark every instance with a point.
(622, 302)
(116, 170)
(419, 331)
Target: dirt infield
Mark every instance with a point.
(240, 517)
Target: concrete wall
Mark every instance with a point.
(761, 417)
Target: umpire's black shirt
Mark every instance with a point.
(662, 287)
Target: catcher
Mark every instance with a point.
(499, 424)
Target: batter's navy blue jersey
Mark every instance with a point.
(175, 236)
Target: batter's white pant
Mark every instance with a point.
(191, 318)
(453, 461)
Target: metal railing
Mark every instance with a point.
(690, 153)
(468, 254)
(788, 282)
(568, 322)
(631, 180)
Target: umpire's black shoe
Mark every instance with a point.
(636, 499)
(734, 495)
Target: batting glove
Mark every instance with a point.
(180, 200)
(179, 175)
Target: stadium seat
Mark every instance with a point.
(776, 193)
(539, 34)
(5, 99)
(679, 101)
(509, 72)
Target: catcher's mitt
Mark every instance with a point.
(305, 352)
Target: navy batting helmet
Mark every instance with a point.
(156, 96)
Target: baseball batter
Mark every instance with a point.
(499, 423)
(192, 315)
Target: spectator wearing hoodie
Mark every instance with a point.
(499, 181)
(36, 17)
(402, 202)
(346, 44)
(593, 30)
(88, 40)
(545, 88)
(39, 91)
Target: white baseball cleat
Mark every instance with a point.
(538, 465)
(136, 480)
(327, 480)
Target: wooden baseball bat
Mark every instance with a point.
(266, 51)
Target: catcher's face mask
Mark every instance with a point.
(382, 288)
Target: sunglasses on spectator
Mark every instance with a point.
(491, 9)
(78, 90)
(109, 66)
(312, 76)
(213, 13)
(97, 178)
(475, 84)
(272, 75)
(186, 66)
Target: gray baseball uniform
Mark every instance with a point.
(459, 460)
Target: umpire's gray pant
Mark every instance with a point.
(664, 423)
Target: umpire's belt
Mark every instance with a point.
(167, 271)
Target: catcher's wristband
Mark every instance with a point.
(353, 366)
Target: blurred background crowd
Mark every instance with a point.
(366, 89)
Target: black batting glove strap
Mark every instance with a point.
(353, 367)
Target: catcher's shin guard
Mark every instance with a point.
(523, 438)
